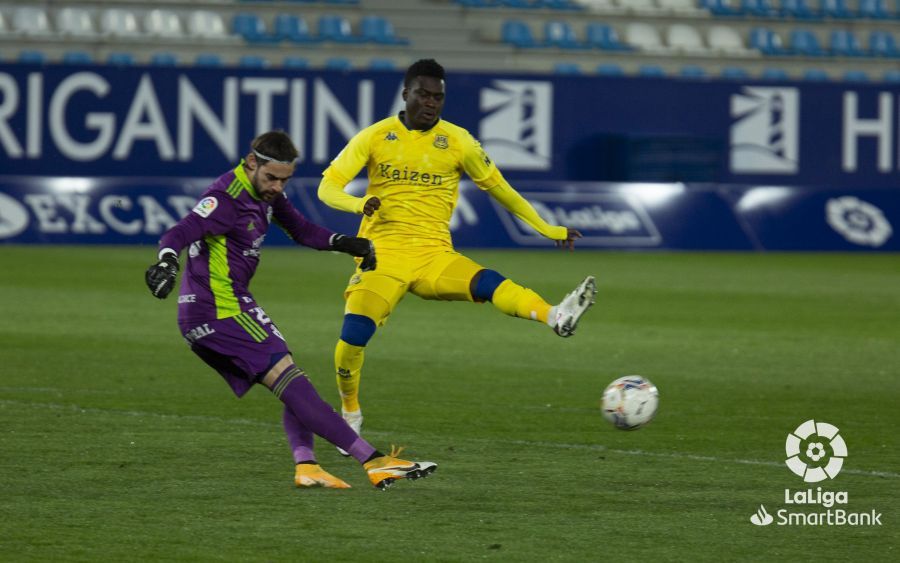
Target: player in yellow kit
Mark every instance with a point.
(414, 162)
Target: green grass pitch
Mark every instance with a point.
(116, 443)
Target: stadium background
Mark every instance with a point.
(114, 93)
(653, 125)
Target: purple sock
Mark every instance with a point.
(299, 437)
(299, 395)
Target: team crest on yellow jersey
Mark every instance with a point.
(440, 141)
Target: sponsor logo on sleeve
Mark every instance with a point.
(206, 206)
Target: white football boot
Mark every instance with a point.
(355, 420)
(565, 316)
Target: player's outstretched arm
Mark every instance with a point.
(160, 277)
(356, 246)
(479, 166)
(519, 206)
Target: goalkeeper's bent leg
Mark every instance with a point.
(290, 384)
(509, 297)
(300, 438)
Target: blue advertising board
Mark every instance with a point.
(672, 216)
(194, 122)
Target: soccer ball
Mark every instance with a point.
(630, 402)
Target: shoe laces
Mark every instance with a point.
(396, 450)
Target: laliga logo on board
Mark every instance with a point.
(858, 221)
(604, 219)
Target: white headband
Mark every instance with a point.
(269, 158)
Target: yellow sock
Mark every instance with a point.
(518, 301)
(348, 361)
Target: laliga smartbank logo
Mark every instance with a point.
(815, 452)
(762, 518)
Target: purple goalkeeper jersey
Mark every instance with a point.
(225, 231)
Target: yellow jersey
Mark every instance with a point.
(416, 176)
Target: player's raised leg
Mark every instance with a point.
(508, 296)
(565, 316)
(518, 301)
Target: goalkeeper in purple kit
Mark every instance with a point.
(223, 324)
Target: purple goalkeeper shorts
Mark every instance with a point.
(241, 348)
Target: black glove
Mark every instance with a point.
(160, 277)
(356, 246)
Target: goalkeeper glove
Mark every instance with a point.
(160, 277)
(356, 246)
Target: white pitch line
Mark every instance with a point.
(56, 390)
(526, 443)
(137, 414)
(677, 455)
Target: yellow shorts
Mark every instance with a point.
(429, 273)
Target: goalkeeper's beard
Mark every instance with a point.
(266, 195)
